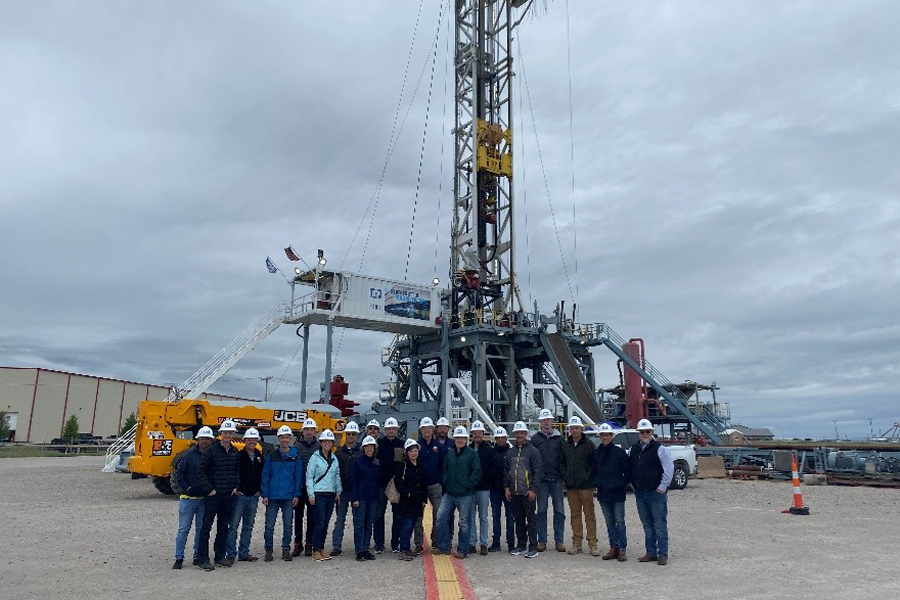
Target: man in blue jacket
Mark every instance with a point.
(432, 460)
(190, 507)
(282, 485)
(611, 470)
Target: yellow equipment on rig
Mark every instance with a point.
(166, 429)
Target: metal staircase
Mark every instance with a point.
(570, 374)
(197, 384)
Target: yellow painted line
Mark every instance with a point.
(445, 576)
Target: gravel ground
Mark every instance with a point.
(72, 532)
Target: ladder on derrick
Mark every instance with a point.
(197, 384)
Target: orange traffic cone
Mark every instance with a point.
(797, 508)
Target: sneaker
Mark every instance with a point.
(457, 554)
(407, 556)
(195, 562)
(318, 556)
(435, 551)
(177, 564)
(369, 555)
(531, 554)
(517, 551)
(361, 557)
(379, 550)
(494, 548)
(395, 550)
(335, 552)
(222, 562)
(206, 566)
(419, 549)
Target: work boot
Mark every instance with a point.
(613, 553)
(484, 550)
(308, 551)
(648, 558)
(622, 556)
(335, 552)
(368, 555)
(541, 546)
(407, 556)
(269, 556)
(663, 560)
(249, 558)
(177, 564)
(473, 550)
(560, 547)
(287, 555)
(318, 556)
(594, 550)
(495, 547)
(576, 549)
(206, 566)
(361, 557)
(458, 554)
(222, 562)
(298, 549)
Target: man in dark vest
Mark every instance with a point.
(651, 470)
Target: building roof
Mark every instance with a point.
(754, 431)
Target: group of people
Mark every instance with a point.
(470, 482)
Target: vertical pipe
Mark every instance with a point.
(329, 328)
(305, 364)
(121, 407)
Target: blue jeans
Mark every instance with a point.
(653, 509)
(323, 509)
(363, 518)
(498, 501)
(189, 510)
(614, 513)
(445, 513)
(406, 529)
(244, 510)
(340, 521)
(547, 490)
(481, 504)
(287, 521)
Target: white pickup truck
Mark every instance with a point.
(685, 457)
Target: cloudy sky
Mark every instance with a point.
(735, 183)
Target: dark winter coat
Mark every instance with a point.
(306, 450)
(410, 482)
(283, 475)
(610, 473)
(550, 448)
(187, 472)
(250, 469)
(500, 453)
(432, 460)
(219, 470)
(577, 466)
(487, 460)
(389, 456)
(523, 469)
(365, 481)
(462, 471)
(346, 456)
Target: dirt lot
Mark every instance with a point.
(72, 532)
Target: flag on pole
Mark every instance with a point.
(271, 266)
(289, 252)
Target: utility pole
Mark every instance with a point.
(266, 379)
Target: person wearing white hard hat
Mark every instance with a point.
(365, 488)
(651, 468)
(190, 504)
(410, 482)
(307, 445)
(348, 451)
(246, 505)
(499, 503)
(442, 435)
(462, 471)
(373, 429)
(281, 487)
(577, 468)
(220, 477)
(548, 442)
(611, 468)
(482, 501)
(390, 454)
(432, 460)
(323, 487)
(523, 473)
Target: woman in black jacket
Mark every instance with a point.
(410, 482)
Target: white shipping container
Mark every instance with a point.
(396, 301)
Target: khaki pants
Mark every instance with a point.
(582, 501)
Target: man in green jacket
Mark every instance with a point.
(577, 468)
(462, 470)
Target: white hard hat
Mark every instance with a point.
(426, 422)
(460, 432)
(310, 423)
(373, 423)
(206, 432)
(326, 435)
(500, 432)
(285, 430)
(644, 424)
(443, 421)
(605, 428)
(477, 426)
(545, 414)
(520, 426)
(227, 425)
(575, 421)
(251, 433)
(351, 427)
(410, 443)
(369, 441)
(391, 422)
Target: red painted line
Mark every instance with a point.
(94, 415)
(431, 586)
(37, 378)
(65, 405)
(464, 585)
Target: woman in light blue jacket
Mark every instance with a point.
(323, 484)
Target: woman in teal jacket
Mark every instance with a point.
(323, 484)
